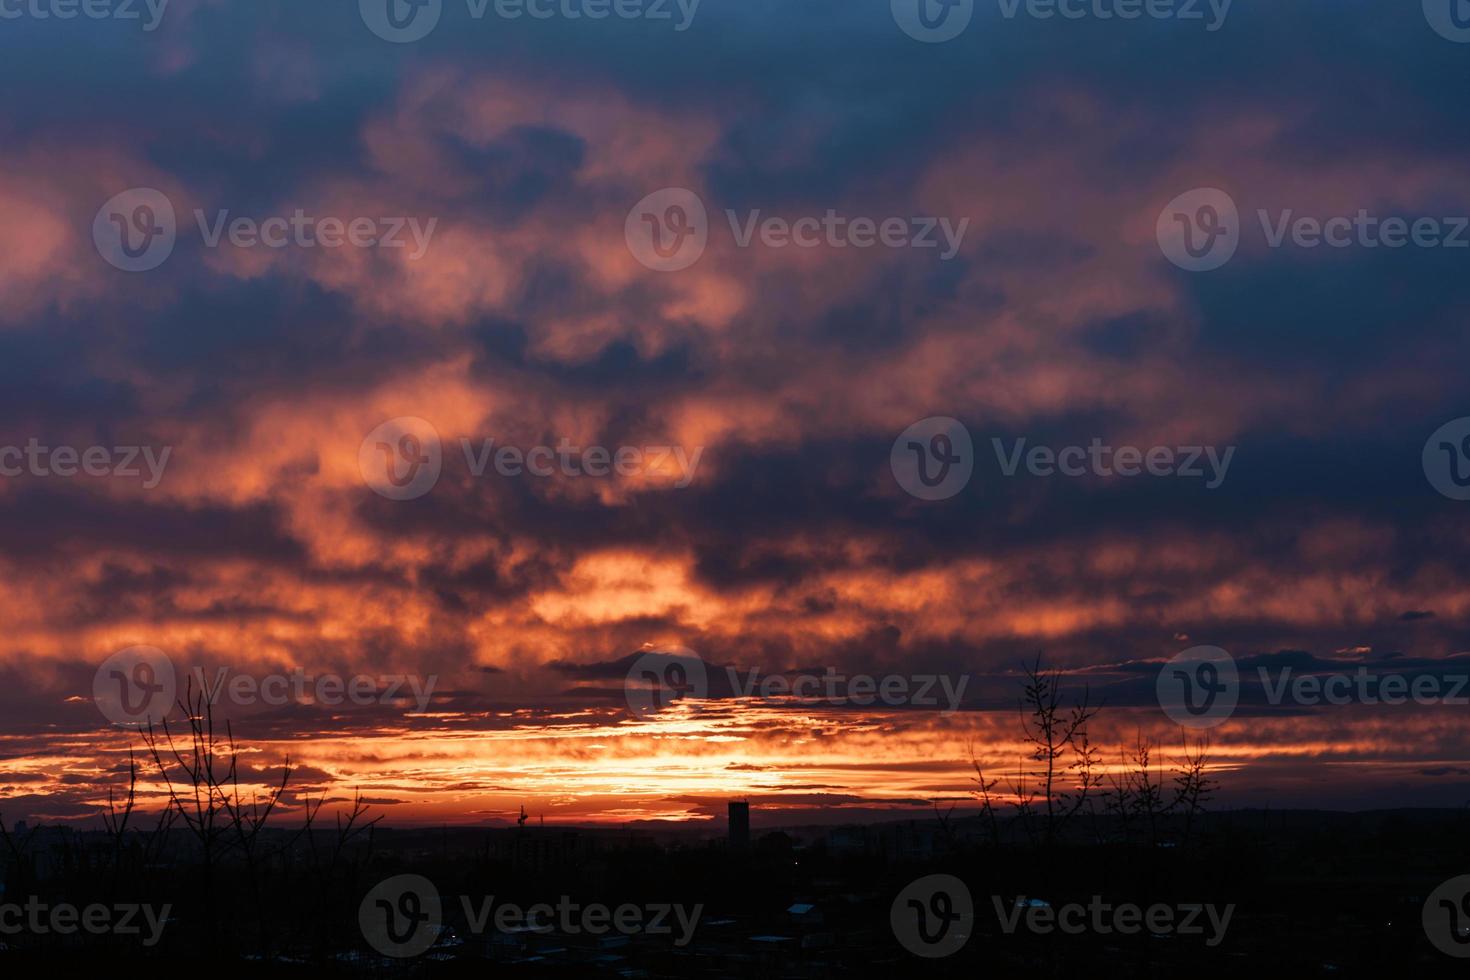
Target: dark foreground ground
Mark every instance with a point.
(1315, 894)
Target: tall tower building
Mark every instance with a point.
(739, 826)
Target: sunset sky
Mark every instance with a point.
(782, 375)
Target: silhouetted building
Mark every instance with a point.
(539, 849)
(740, 826)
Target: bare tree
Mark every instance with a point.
(1193, 787)
(1147, 785)
(201, 771)
(1117, 797)
(115, 820)
(1066, 761)
(1063, 774)
(327, 864)
(984, 788)
(248, 819)
(1140, 790)
(131, 856)
(943, 817)
(205, 764)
